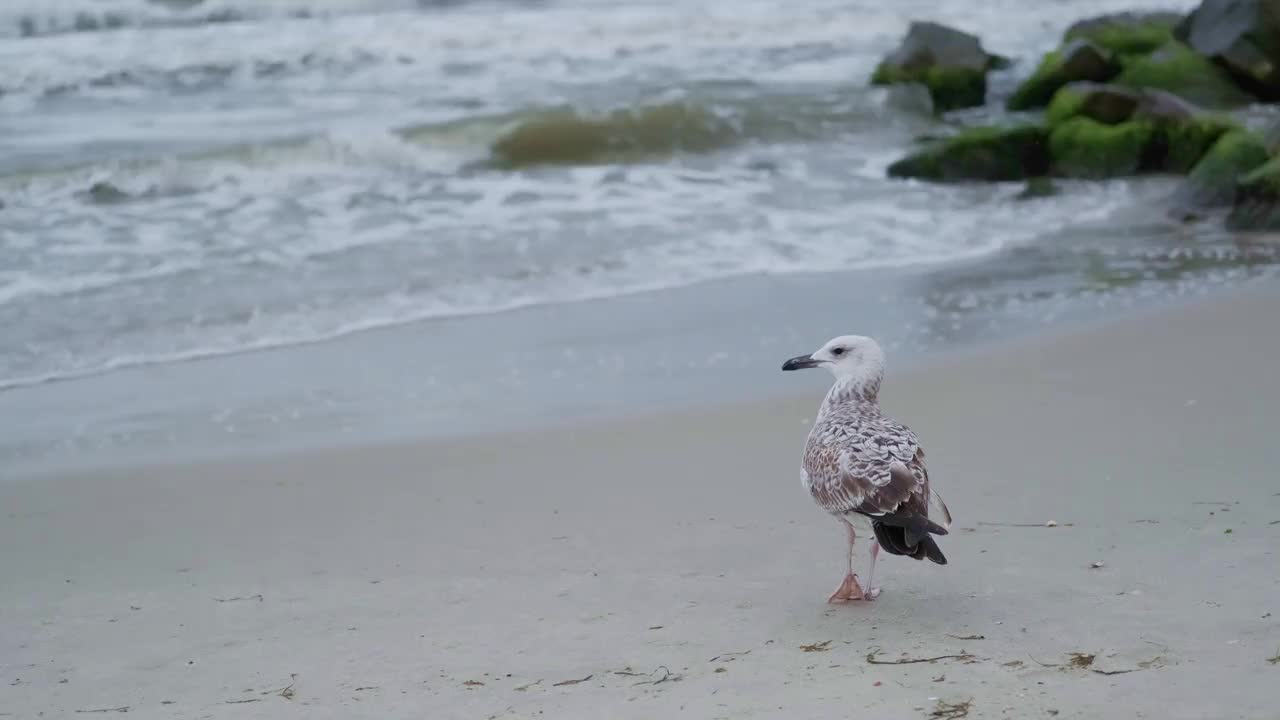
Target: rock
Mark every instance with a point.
(951, 63)
(1107, 104)
(1079, 60)
(1038, 187)
(984, 153)
(1242, 36)
(1184, 143)
(1112, 104)
(1085, 148)
(1256, 205)
(1183, 132)
(1127, 33)
(1164, 106)
(1212, 183)
(1177, 68)
(568, 138)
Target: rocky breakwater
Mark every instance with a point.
(950, 63)
(1130, 94)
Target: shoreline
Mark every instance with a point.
(481, 577)
(910, 368)
(632, 356)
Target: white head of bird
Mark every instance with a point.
(856, 361)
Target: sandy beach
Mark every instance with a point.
(673, 566)
(422, 358)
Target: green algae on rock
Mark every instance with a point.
(1107, 104)
(950, 88)
(982, 153)
(1187, 143)
(1127, 33)
(1183, 132)
(1212, 182)
(1256, 204)
(1085, 148)
(1079, 60)
(1094, 131)
(567, 138)
(950, 63)
(1180, 70)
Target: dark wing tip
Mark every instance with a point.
(932, 551)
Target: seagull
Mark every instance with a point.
(865, 468)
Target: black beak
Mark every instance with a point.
(800, 363)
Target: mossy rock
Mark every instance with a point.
(1182, 135)
(1079, 60)
(1112, 104)
(1107, 104)
(949, 88)
(570, 138)
(1037, 90)
(1180, 70)
(1256, 202)
(952, 64)
(1127, 33)
(1163, 106)
(1186, 143)
(1264, 179)
(1242, 36)
(1084, 148)
(1212, 182)
(984, 153)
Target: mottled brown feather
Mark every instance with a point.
(858, 460)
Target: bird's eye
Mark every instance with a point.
(838, 352)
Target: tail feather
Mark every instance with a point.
(913, 536)
(891, 539)
(915, 525)
(910, 537)
(932, 551)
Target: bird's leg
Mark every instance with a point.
(872, 592)
(849, 588)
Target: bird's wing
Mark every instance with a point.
(938, 510)
(877, 471)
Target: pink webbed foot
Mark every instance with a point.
(849, 590)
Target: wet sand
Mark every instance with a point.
(672, 565)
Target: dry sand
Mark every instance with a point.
(674, 567)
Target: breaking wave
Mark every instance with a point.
(570, 138)
(507, 141)
(34, 18)
(642, 132)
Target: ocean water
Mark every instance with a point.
(189, 180)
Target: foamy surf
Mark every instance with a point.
(197, 179)
(32, 18)
(476, 281)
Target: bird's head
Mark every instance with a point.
(848, 357)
